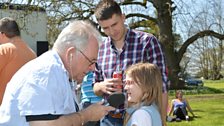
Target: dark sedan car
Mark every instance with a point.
(194, 82)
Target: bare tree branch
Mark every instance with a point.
(130, 2)
(143, 23)
(197, 36)
(143, 16)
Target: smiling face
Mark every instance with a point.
(114, 27)
(134, 92)
(179, 94)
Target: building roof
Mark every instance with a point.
(21, 7)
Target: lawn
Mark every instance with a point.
(207, 102)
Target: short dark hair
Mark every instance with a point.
(9, 27)
(106, 8)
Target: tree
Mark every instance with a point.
(209, 50)
(160, 22)
(165, 9)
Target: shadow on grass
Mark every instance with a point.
(198, 110)
(194, 118)
(191, 90)
(191, 118)
(213, 90)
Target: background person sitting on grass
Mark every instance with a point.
(179, 107)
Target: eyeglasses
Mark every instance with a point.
(128, 82)
(90, 61)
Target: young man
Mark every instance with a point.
(14, 52)
(40, 93)
(123, 47)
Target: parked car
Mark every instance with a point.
(194, 82)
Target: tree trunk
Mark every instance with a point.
(166, 38)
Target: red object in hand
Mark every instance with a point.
(118, 74)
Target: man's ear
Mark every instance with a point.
(70, 59)
(4, 38)
(70, 53)
(123, 17)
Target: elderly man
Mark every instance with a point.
(41, 92)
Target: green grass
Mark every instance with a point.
(218, 85)
(207, 102)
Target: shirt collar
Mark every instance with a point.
(59, 61)
(109, 39)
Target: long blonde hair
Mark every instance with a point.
(149, 79)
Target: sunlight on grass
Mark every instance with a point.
(208, 109)
(207, 102)
(215, 84)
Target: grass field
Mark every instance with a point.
(207, 103)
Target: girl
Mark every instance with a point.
(144, 95)
(180, 106)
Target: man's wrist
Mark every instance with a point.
(82, 120)
(97, 89)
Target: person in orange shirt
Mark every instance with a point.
(14, 52)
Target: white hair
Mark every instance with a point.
(77, 35)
